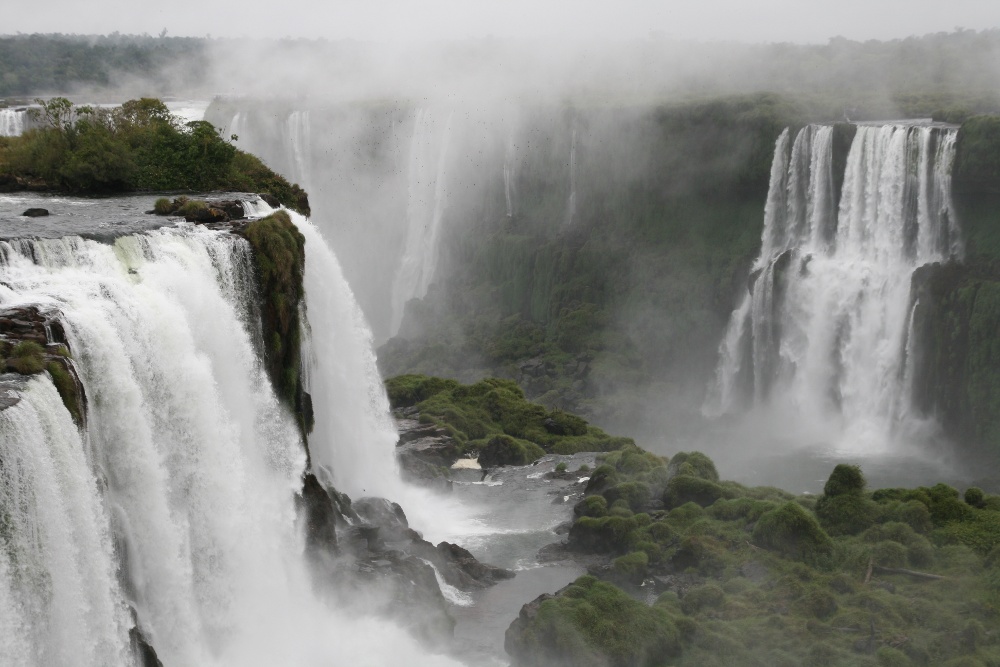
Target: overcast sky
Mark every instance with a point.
(398, 20)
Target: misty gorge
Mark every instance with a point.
(630, 352)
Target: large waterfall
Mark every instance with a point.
(823, 329)
(12, 122)
(174, 506)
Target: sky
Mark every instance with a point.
(804, 21)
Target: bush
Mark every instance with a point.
(636, 494)
(684, 489)
(793, 532)
(847, 513)
(702, 597)
(593, 624)
(974, 496)
(594, 506)
(163, 206)
(503, 450)
(693, 464)
(26, 358)
(630, 568)
(845, 479)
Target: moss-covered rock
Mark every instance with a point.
(279, 258)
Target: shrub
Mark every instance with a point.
(684, 489)
(561, 467)
(595, 506)
(702, 597)
(68, 389)
(503, 450)
(593, 624)
(163, 206)
(693, 464)
(974, 496)
(26, 358)
(636, 494)
(631, 568)
(847, 513)
(843, 480)
(793, 532)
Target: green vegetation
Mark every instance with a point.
(592, 623)
(38, 64)
(138, 146)
(493, 417)
(592, 317)
(755, 578)
(26, 358)
(69, 389)
(279, 255)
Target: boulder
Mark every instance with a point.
(36, 213)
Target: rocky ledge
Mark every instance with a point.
(367, 546)
(33, 341)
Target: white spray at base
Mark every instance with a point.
(823, 331)
(178, 499)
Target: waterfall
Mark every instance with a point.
(427, 198)
(510, 174)
(12, 122)
(824, 326)
(354, 438)
(177, 500)
(299, 141)
(571, 199)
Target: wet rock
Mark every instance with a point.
(145, 655)
(320, 514)
(386, 515)
(425, 453)
(36, 213)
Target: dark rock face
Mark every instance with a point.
(36, 213)
(425, 453)
(144, 654)
(320, 513)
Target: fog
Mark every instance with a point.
(392, 21)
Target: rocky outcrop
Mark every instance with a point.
(34, 341)
(425, 451)
(367, 546)
(35, 213)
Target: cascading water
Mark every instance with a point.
(824, 327)
(424, 210)
(12, 122)
(299, 142)
(510, 174)
(177, 498)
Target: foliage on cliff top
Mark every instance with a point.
(279, 256)
(752, 576)
(977, 155)
(137, 146)
(494, 417)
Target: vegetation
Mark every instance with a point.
(279, 255)
(592, 623)
(492, 417)
(755, 578)
(39, 64)
(137, 146)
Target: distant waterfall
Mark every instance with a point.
(824, 324)
(571, 199)
(424, 211)
(12, 122)
(299, 143)
(510, 174)
(178, 498)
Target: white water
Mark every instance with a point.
(510, 173)
(299, 144)
(11, 122)
(824, 331)
(188, 459)
(424, 211)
